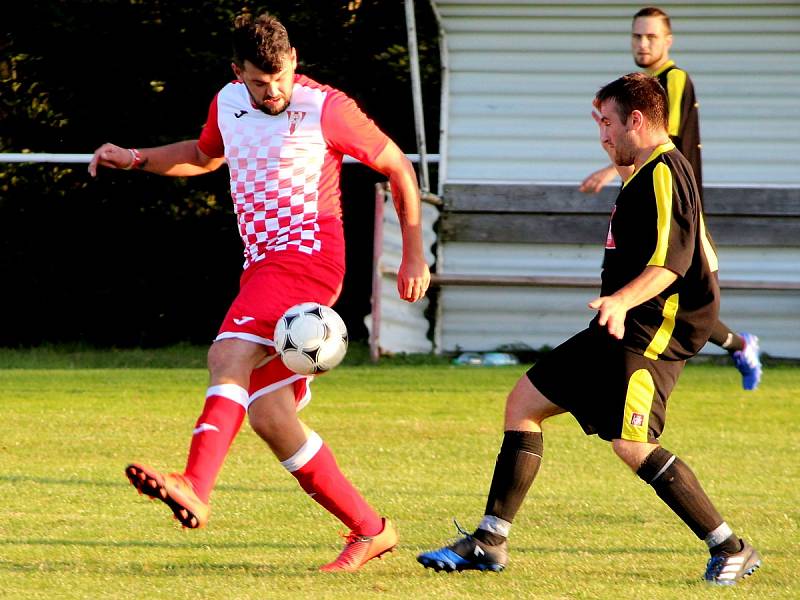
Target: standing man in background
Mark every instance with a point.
(651, 39)
(283, 137)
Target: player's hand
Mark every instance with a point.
(598, 180)
(109, 155)
(413, 280)
(611, 314)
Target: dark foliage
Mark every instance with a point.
(133, 259)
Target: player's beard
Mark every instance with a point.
(624, 152)
(266, 109)
(273, 111)
(646, 63)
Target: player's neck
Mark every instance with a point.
(655, 68)
(648, 148)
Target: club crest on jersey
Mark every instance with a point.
(637, 420)
(610, 243)
(295, 118)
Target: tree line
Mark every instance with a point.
(133, 259)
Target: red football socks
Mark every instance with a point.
(213, 434)
(316, 470)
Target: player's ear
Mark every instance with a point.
(293, 58)
(237, 71)
(635, 120)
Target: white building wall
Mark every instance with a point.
(520, 77)
(518, 81)
(399, 326)
(476, 318)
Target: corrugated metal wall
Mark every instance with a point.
(483, 318)
(520, 77)
(398, 326)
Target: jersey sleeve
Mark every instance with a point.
(210, 142)
(676, 224)
(349, 131)
(676, 86)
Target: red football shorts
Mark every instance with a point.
(266, 290)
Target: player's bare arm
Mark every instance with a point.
(612, 309)
(597, 180)
(413, 276)
(181, 159)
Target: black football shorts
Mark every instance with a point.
(611, 391)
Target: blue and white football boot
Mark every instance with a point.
(466, 554)
(748, 361)
(728, 569)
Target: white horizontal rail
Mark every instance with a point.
(36, 157)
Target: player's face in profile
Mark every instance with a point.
(614, 135)
(269, 92)
(650, 42)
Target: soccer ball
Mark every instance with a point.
(311, 338)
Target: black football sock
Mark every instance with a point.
(677, 486)
(514, 471)
(724, 337)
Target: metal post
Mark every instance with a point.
(416, 93)
(377, 274)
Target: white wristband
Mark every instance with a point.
(136, 159)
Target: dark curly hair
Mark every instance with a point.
(262, 40)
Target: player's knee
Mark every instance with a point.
(232, 360)
(267, 425)
(219, 358)
(264, 428)
(526, 403)
(272, 416)
(655, 465)
(632, 453)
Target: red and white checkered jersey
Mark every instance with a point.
(285, 168)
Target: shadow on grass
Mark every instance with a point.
(201, 545)
(139, 569)
(289, 488)
(279, 545)
(125, 484)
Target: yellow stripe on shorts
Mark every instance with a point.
(638, 402)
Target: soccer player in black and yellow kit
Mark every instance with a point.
(651, 39)
(658, 301)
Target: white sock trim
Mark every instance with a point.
(495, 525)
(719, 535)
(306, 452)
(231, 391)
(661, 471)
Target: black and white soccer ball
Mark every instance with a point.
(311, 338)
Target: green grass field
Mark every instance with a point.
(420, 442)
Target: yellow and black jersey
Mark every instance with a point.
(684, 117)
(658, 221)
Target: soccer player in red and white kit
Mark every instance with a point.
(283, 137)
